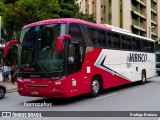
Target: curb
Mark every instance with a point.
(11, 90)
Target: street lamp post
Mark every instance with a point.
(150, 29)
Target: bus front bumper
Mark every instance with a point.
(47, 91)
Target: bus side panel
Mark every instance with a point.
(124, 65)
(94, 64)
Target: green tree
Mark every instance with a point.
(17, 13)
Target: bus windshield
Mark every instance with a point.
(38, 49)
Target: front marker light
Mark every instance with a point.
(19, 79)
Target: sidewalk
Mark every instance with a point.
(11, 87)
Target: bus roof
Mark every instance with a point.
(116, 29)
(74, 20)
(126, 32)
(66, 20)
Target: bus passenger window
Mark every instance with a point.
(76, 33)
(95, 37)
(98, 37)
(144, 45)
(110, 40)
(116, 41)
(113, 40)
(136, 44)
(151, 46)
(126, 42)
(103, 39)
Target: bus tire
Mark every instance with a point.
(144, 78)
(95, 86)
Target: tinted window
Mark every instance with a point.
(126, 42)
(103, 39)
(76, 33)
(136, 44)
(116, 41)
(98, 37)
(110, 40)
(144, 45)
(151, 46)
(113, 40)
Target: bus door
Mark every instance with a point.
(74, 57)
(76, 48)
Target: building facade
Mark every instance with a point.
(141, 17)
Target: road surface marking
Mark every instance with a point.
(106, 96)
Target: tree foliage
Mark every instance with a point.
(17, 13)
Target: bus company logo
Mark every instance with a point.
(137, 57)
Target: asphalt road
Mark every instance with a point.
(133, 97)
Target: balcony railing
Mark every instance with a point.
(140, 2)
(154, 33)
(155, 1)
(138, 14)
(153, 22)
(153, 11)
(139, 27)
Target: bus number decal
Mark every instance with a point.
(135, 57)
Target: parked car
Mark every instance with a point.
(2, 86)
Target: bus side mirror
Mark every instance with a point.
(8, 44)
(59, 42)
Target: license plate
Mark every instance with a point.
(35, 92)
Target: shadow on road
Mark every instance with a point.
(80, 98)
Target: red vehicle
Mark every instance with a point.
(61, 58)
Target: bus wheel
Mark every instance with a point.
(143, 77)
(158, 73)
(95, 86)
